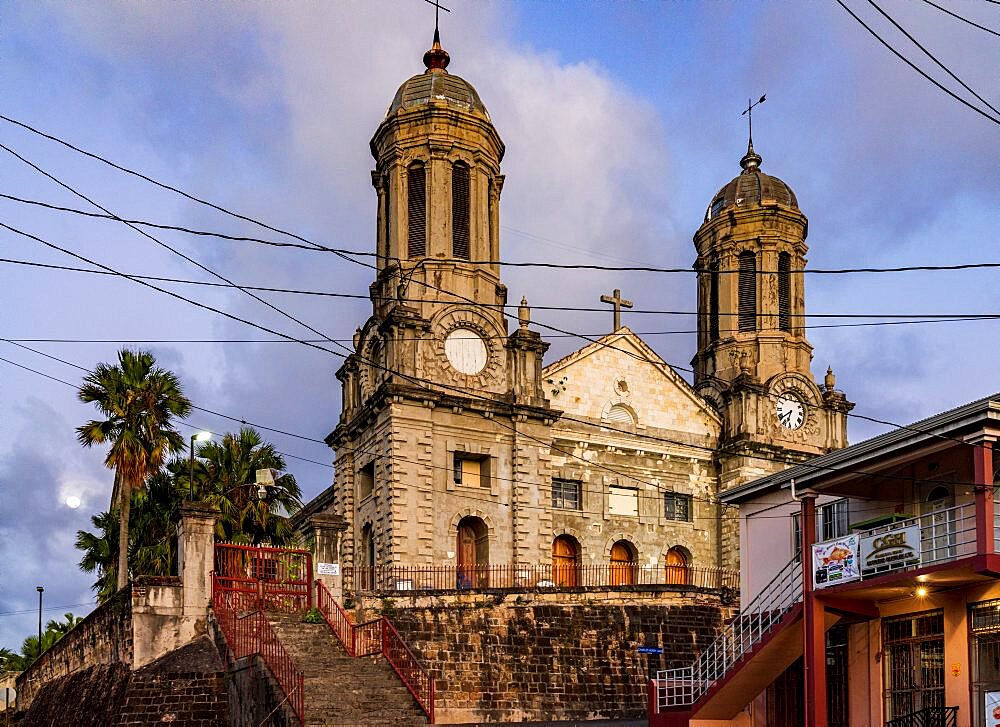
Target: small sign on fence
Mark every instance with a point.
(328, 569)
(650, 650)
(836, 562)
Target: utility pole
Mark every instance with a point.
(40, 591)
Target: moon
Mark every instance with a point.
(73, 502)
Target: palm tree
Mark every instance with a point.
(225, 476)
(100, 553)
(139, 401)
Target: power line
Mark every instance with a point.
(915, 67)
(963, 19)
(341, 252)
(420, 382)
(930, 55)
(560, 308)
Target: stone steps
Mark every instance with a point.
(342, 691)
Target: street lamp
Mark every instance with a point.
(196, 437)
(40, 590)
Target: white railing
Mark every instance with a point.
(684, 686)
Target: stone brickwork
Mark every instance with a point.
(552, 656)
(187, 688)
(103, 637)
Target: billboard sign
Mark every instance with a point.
(890, 550)
(836, 562)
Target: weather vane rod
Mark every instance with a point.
(437, 7)
(748, 112)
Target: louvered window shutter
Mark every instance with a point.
(748, 291)
(417, 211)
(460, 211)
(784, 291)
(387, 216)
(713, 300)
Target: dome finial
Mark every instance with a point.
(751, 161)
(436, 59)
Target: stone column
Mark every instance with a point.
(328, 530)
(195, 555)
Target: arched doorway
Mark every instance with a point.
(565, 561)
(473, 549)
(623, 564)
(677, 566)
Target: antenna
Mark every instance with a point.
(748, 112)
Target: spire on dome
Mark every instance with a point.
(751, 161)
(437, 58)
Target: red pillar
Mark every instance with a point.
(983, 465)
(813, 624)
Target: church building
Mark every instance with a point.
(458, 450)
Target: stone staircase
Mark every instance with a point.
(341, 690)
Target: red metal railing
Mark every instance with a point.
(504, 576)
(379, 636)
(417, 679)
(252, 634)
(271, 579)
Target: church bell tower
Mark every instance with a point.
(753, 358)
(444, 423)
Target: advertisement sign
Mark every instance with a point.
(836, 562)
(992, 713)
(890, 550)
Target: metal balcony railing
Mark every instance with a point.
(493, 576)
(684, 686)
(927, 717)
(945, 535)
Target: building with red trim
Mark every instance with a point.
(869, 578)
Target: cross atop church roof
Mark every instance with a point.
(617, 303)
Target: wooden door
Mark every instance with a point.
(622, 565)
(564, 570)
(466, 555)
(677, 567)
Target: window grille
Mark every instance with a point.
(566, 494)
(677, 506)
(460, 211)
(784, 291)
(748, 291)
(417, 211)
(985, 616)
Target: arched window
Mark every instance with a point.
(677, 563)
(713, 300)
(623, 564)
(367, 557)
(620, 415)
(748, 291)
(387, 217)
(784, 291)
(416, 244)
(565, 561)
(460, 211)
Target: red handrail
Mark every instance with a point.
(379, 636)
(252, 634)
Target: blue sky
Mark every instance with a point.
(621, 120)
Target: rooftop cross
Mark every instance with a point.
(748, 112)
(437, 8)
(618, 303)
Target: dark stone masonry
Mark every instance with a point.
(186, 688)
(552, 661)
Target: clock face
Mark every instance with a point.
(791, 412)
(466, 351)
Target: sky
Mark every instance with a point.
(621, 121)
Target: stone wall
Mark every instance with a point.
(186, 688)
(103, 637)
(551, 656)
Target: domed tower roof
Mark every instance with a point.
(751, 187)
(437, 85)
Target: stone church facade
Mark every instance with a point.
(455, 447)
